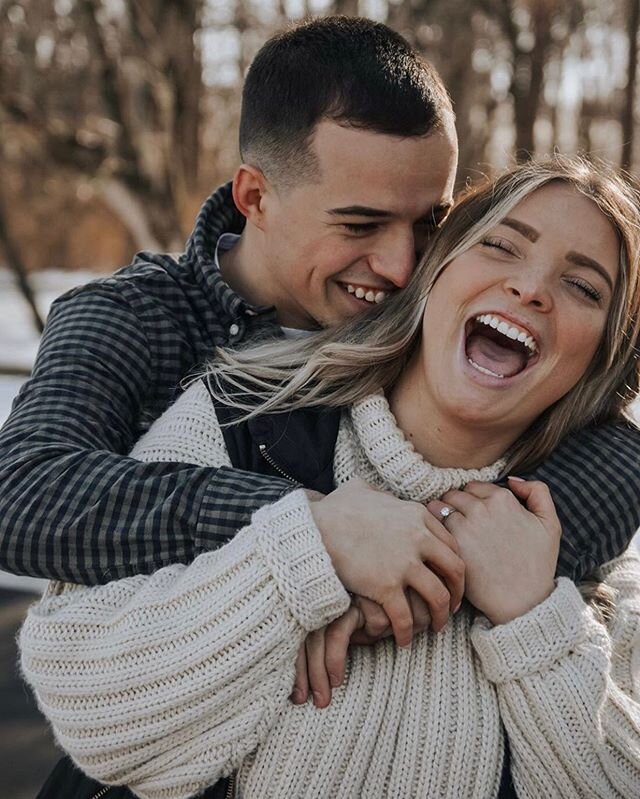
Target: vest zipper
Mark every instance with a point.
(230, 787)
(228, 793)
(102, 792)
(265, 454)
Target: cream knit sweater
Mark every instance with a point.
(167, 682)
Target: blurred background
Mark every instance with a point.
(118, 117)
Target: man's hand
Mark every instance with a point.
(381, 546)
(322, 658)
(376, 624)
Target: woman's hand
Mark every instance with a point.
(400, 546)
(510, 551)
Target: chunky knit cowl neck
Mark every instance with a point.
(372, 445)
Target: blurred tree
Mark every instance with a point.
(533, 29)
(628, 109)
(112, 95)
(17, 266)
(348, 7)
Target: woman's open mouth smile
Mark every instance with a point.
(498, 348)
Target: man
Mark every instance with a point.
(349, 155)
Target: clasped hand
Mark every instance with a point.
(500, 554)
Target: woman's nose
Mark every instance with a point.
(530, 290)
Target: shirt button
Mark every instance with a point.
(234, 329)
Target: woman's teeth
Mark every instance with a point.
(510, 331)
(483, 369)
(366, 294)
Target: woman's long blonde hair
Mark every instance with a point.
(339, 366)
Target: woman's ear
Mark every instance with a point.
(249, 190)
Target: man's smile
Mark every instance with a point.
(369, 294)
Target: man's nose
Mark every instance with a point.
(530, 288)
(395, 260)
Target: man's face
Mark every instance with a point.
(334, 246)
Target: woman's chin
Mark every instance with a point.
(473, 402)
(482, 415)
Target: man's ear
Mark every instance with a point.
(249, 190)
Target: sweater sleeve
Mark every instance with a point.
(569, 690)
(166, 682)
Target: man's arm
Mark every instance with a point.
(72, 505)
(594, 478)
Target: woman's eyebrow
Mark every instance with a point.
(520, 227)
(583, 260)
(573, 257)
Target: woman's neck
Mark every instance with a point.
(442, 439)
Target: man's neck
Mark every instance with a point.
(245, 273)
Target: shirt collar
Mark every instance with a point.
(218, 224)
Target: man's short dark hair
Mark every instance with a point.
(349, 70)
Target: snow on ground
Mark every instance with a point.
(8, 389)
(18, 335)
(19, 343)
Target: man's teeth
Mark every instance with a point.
(366, 294)
(510, 331)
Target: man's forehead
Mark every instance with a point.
(376, 170)
(335, 144)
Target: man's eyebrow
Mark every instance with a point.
(358, 210)
(368, 211)
(525, 230)
(583, 260)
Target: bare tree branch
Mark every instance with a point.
(127, 206)
(628, 110)
(19, 270)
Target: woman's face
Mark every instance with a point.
(512, 324)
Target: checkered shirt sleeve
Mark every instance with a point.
(72, 505)
(594, 478)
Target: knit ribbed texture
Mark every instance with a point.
(378, 451)
(536, 641)
(188, 434)
(169, 681)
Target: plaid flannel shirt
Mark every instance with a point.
(74, 507)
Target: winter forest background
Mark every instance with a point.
(118, 117)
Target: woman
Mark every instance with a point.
(521, 324)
